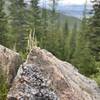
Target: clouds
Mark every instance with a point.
(69, 2)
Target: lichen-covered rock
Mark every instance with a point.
(44, 77)
(31, 84)
(9, 62)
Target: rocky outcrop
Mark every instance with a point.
(9, 63)
(44, 77)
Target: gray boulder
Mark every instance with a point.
(44, 77)
(9, 63)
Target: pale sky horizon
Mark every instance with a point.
(69, 2)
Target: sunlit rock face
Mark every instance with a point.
(9, 63)
(44, 77)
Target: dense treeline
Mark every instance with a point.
(24, 25)
(94, 36)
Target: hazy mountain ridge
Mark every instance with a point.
(71, 20)
(71, 10)
(74, 10)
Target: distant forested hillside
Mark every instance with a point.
(62, 18)
(71, 21)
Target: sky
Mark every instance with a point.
(69, 2)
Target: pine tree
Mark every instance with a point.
(82, 58)
(3, 24)
(36, 18)
(17, 24)
(45, 24)
(53, 15)
(72, 42)
(94, 24)
(45, 17)
(65, 42)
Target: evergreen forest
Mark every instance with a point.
(24, 25)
